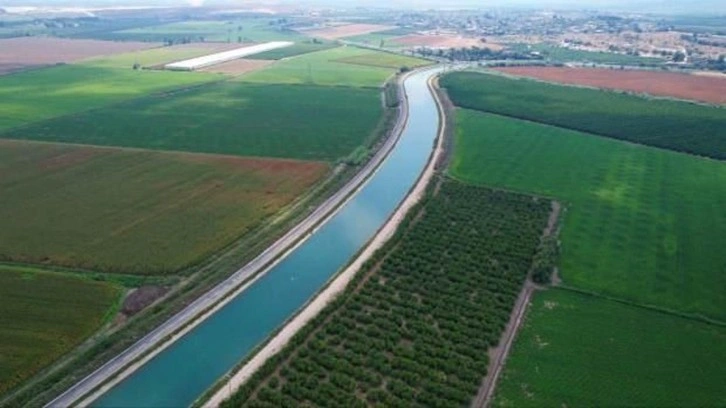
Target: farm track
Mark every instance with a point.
(498, 355)
(194, 314)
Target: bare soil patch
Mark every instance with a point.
(347, 30)
(140, 298)
(238, 67)
(24, 52)
(684, 86)
(444, 41)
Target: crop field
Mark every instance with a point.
(159, 56)
(228, 118)
(237, 67)
(376, 40)
(28, 52)
(328, 68)
(43, 316)
(697, 87)
(239, 30)
(561, 54)
(136, 212)
(414, 326)
(35, 95)
(579, 350)
(642, 223)
(385, 60)
(300, 47)
(674, 125)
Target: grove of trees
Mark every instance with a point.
(414, 327)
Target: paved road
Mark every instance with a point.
(223, 289)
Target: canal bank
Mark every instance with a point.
(180, 373)
(234, 380)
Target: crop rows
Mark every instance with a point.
(673, 125)
(415, 326)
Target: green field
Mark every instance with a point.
(43, 316)
(304, 122)
(642, 223)
(247, 29)
(329, 68)
(300, 47)
(414, 326)
(45, 93)
(561, 54)
(375, 39)
(674, 125)
(577, 350)
(137, 212)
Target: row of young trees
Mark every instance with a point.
(415, 327)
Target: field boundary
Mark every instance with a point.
(498, 355)
(652, 308)
(338, 284)
(170, 329)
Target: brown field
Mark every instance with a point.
(238, 67)
(444, 41)
(683, 86)
(135, 211)
(347, 30)
(28, 52)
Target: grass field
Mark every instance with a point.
(248, 29)
(577, 350)
(642, 223)
(304, 122)
(43, 316)
(137, 212)
(31, 96)
(300, 47)
(329, 68)
(680, 126)
(414, 326)
(374, 39)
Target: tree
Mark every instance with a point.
(679, 56)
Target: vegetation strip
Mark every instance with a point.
(222, 290)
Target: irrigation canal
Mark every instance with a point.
(183, 371)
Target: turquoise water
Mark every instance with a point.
(182, 372)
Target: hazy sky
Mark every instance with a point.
(664, 6)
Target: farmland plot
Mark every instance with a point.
(302, 122)
(679, 126)
(642, 223)
(580, 350)
(137, 212)
(44, 315)
(32, 96)
(329, 68)
(669, 84)
(28, 52)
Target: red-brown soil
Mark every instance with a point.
(683, 86)
(27, 52)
